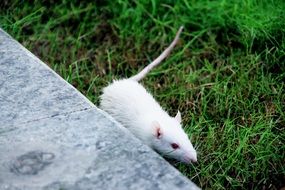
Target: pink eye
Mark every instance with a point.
(174, 145)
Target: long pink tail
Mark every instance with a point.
(158, 60)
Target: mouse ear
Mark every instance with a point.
(178, 116)
(156, 129)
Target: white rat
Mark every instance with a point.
(136, 109)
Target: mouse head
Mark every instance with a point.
(171, 141)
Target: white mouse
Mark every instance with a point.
(129, 103)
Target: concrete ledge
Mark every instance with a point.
(29, 90)
(52, 137)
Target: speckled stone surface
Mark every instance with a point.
(29, 90)
(82, 150)
(52, 137)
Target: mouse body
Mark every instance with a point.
(135, 108)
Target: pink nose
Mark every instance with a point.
(194, 160)
(190, 159)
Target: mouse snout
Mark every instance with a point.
(190, 158)
(194, 160)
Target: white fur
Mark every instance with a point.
(131, 105)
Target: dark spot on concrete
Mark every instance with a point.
(31, 163)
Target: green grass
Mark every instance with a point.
(226, 74)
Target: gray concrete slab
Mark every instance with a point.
(52, 137)
(82, 150)
(29, 90)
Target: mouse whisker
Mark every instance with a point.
(167, 153)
